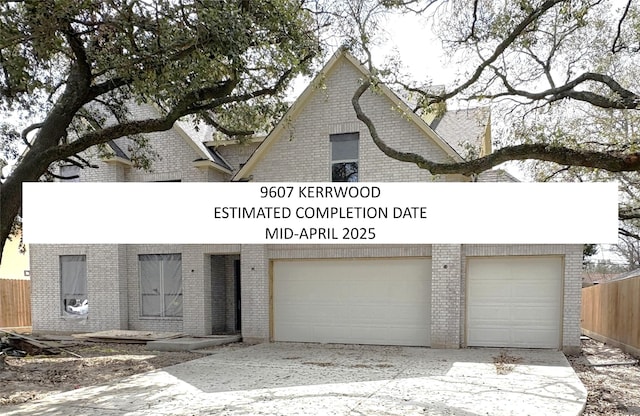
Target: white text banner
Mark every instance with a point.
(320, 213)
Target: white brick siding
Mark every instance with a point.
(445, 295)
(303, 152)
(237, 154)
(255, 293)
(106, 289)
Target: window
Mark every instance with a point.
(344, 157)
(72, 172)
(161, 285)
(73, 286)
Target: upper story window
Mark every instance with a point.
(344, 157)
(70, 173)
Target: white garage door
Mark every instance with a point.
(514, 302)
(372, 301)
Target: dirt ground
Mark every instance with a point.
(33, 377)
(613, 389)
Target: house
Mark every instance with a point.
(15, 301)
(15, 260)
(443, 296)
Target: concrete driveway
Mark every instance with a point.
(308, 379)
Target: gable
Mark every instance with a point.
(181, 151)
(298, 149)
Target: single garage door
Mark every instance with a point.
(355, 301)
(514, 302)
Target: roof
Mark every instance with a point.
(590, 278)
(627, 275)
(299, 104)
(196, 136)
(496, 175)
(192, 134)
(117, 151)
(463, 129)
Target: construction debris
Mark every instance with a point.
(127, 336)
(614, 363)
(33, 346)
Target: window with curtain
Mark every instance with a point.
(160, 285)
(73, 286)
(344, 157)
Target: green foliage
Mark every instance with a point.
(588, 250)
(79, 73)
(160, 51)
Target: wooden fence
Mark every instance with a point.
(611, 313)
(15, 303)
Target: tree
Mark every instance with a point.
(588, 250)
(76, 67)
(628, 248)
(558, 72)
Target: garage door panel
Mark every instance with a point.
(490, 290)
(531, 338)
(539, 315)
(380, 301)
(517, 339)
(486, 335)
(514, 301)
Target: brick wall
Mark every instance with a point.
(104, 288)
(237, 154)
(446, 292)
(302, 152)
(112, 271)
(255, 293)
(197, 287)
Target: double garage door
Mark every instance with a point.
(372, 301)
(511, 301)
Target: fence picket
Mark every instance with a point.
(15, 303)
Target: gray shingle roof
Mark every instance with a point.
(463, 129)
(117, 150)
(628, 275)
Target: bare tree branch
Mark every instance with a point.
(203, 99)
(535, 151)
(624, 99)
(61, 177)
(629, 214)
(614, 47)
(227, 131)
(499, 50)
(627, 233)
(557, 172)
(28, 130)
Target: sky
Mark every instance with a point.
(420, 51)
